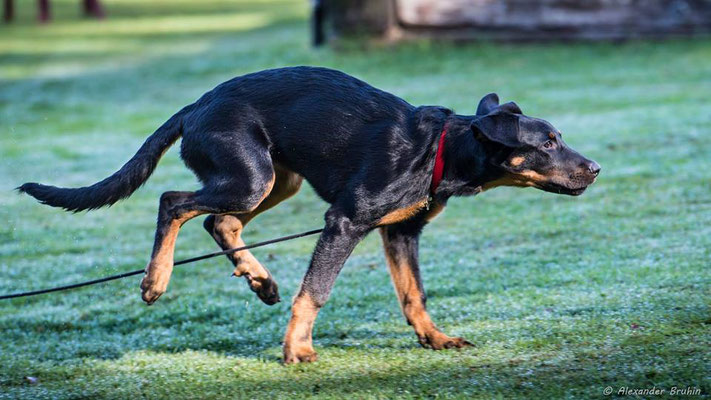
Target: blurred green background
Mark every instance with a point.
(562, 296)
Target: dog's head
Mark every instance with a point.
(528, 151)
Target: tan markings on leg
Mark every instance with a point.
(298, 344)
(227, 231)
(412, 301)
(232, 238)
(284, 185)
(407, 290)
(402, 214)
(160, 267)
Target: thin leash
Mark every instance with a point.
(140, 271)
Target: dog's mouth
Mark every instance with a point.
(562, 189)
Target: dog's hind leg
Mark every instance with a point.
(401, 247)
(235, 194)
(227, 230)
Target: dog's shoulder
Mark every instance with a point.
(427, 123)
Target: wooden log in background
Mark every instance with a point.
(520, 19)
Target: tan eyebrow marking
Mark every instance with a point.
(516, 161)
(551, 135)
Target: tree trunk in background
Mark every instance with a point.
(93, 8)
(43, 12)
(360, 17)
(8, 10)
(317, 18)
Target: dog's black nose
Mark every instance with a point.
(594, 168)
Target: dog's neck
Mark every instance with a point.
(466, 161)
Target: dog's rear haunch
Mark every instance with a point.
(369, 154)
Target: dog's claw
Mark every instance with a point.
(440, 341)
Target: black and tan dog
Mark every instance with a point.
(377, 160)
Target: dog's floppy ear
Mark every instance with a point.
(511, 107)
(490, 103)
(487, 104)
(501, 128)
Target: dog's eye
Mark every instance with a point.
(548, 144)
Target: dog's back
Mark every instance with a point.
(308, 117)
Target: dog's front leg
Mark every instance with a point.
(336, 243)
(401, 243)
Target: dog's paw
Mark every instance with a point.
(266, 288)
(437, 340)
(153, 287)
(260, 281)
(150, 291)
(301, 354)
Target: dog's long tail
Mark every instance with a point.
(119, 185)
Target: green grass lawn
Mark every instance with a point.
(562, 296)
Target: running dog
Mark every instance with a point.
(379, 162)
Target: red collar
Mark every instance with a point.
(438, 171)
